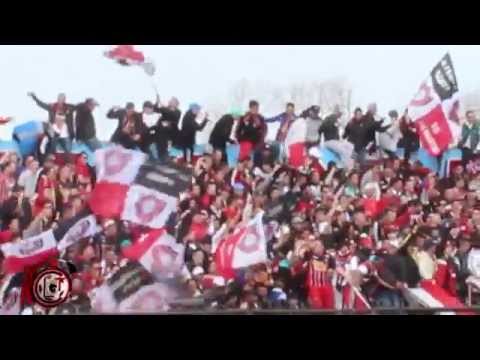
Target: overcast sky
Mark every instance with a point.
(389, 75)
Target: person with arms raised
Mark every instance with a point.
(60, 107)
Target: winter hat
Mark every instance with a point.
(236, 112)
(195, 107)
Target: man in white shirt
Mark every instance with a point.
(28, 178)
(61, 135)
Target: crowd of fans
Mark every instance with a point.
(383, 226)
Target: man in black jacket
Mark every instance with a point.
(221, 134)
(189, 130)
(59, 107)
(392, 277)
(171, 118)
(361, 132)
(123, 116)
(85, 123)
(329, 127)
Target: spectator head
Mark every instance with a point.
(465, 244)
(358, 113)
(28, 160)
(110, 228)
(254, 107)
(91, 104)
(10, 168)
(61, 98)
(148, 107)
(290, 108)
(354, 179)
(14, 226)
(372, 108)
(393, 114)
(470, 115)
(195, 108)
(196, 190)
(337, 110)
(48, 210)
(130, 107)
(173, 103)
(18, 191)
(430, 246)
(392, 246)
(212, 189)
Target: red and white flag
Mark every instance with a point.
(295, 143)
(118, 165)
(246, 247)
(127, 55)
(159, 253)
(148, 207)
(133, 189)
(29, 252)
(435, 108)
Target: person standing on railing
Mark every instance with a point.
(60, 107)
(285, 120)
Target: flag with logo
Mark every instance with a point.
(75, 229)
(29, 252)
(132, 289)
(135, 190)
(127, 55)
(38, 249)
(159, 253)
(246, 247)
(435, 108)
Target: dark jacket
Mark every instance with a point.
(190, 128)
(470, 136)
(11, 210)
(409, 141)
(393, 269)
(362, 132)
(172, 117)
(221, 132)
(52, 109)
(252, 131)
(329, 128)
(121, 116)
(85, 123)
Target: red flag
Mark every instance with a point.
(246, 247)
(108, 199)
(158, 252)
(127, 55)
(435, 108)
(29, 252)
